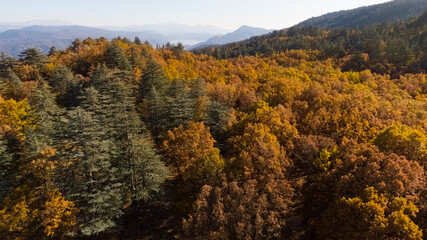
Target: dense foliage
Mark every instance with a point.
(115, 138)
(384, 48)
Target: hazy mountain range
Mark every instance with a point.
(4, 26)
(244, 32)
(167, 28)
(16, 37)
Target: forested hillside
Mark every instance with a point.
(382, 48)
(390, 11)
(118, 140)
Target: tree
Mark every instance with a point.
(6, 64)
(26, 214)
(257, 152)
(142, 171)
(256, 209)
(145, 169)
(403, 140)
(116, 58)
(275, 119)
(178, 49)
(13, 87)
(33, 56)
(137, 41)
(16, 216)
(156, 115)
(18, 115)
(193, 161)
(198, 92)
(183, 147)
(152, 75)
(370, 216)
(6, 171)
(66, 86)
(307, 149)
(46, 113)
(181, 105)
(219, 118)
(353, 166)
(52, 51)
(34, 208)
(94, 185)
(253, 206)
(116, 161)
(58, 215)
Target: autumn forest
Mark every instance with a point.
(304, 133)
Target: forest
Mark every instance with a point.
(384, 48)
(305, 133)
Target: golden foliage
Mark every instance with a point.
(18, 115)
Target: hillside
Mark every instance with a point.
(382, 48)
(242, 33)
(364, 16)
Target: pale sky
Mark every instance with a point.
(228, 14)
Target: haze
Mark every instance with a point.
(228, 14)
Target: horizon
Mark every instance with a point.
(226, 15)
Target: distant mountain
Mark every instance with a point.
(4, 26)
(187, 35)
(244, 32)
(15, 41)
(17, 37)
(168, 28)
(363, 16)
(81, 32)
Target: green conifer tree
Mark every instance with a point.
(6, 173)
(116, 58)
(141, 168)
(137, 41)
(66, 87)
(181, 106)
(6, 63)
(95, 185)
(33, 56)
(152, 75)
(156, 113)
(47, 113)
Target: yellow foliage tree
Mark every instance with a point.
(26, 210)
(18, 115)
(184, 147)
(257, 152)
(370, 216)
(58, 214)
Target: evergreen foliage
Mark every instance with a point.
(115, 57)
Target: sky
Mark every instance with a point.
(227, 14)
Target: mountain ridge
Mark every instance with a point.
(169, 28)
(242, 33)
(367, 15)
(14, 41)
